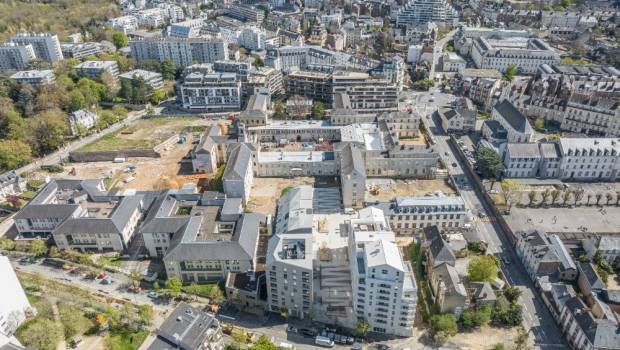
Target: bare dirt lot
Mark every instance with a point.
(266, 191)
(485, 338)
(390, 189)
(149, 174)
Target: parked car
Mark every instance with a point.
(323, 341)
(152, 295)
(291, 329)
(307, 332)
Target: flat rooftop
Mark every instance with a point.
(309, 156)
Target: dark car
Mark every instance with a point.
(307, 332)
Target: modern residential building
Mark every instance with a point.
(202, 236)
(80, 50)
(34, 77)
(15, 57)
(245, 13)
(384, 289)
(15, 306)
(525, 53)
(424, 11)
(189, 328)
(153, 79)
(82, 120)
(364, 93)
(46, 46)
(181, 51)
(94, 69)
(252, 38)
(314, 85)
(391, 69)
(210, 92)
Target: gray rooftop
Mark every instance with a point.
(512, 115)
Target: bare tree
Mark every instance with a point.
(578, 194)
(566, 197)
(609, 197)
(545, 195)
(296, 107)
(555, 194)
(598, 197)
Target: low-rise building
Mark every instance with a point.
(189, 328)
(515, 124)
(452, 62)
(460, 117)
(94, 69)
(82, 120)
(34, 77)
(153, 79)
(525, 53)
(408, 215)
(239, 173)
(545, 255)
(11, 184)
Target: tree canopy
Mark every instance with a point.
(483, 268)
(489, 162)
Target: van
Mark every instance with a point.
(323, 341)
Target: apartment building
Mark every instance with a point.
(245, 13)
(153, 79)
(181, 51)
(391, 69)
(589, 159)
(46, 46)
(525, 53)
(314, 85)
(34, 77)
(383, 286)
(80, 50)
(202, 236)
(365, 93)
(352, 176)
(123, 23)
(242, 69)
(265, 79)
(15, 306)
(210, 92)
(424, 11)
(15, 57)
(94, 69)
(252, 38)
(408, 215)
(583, 330)
(452, 62)
(459, 117)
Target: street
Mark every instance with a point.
(537, 318)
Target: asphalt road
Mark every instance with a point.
(537, 319)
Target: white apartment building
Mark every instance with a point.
(364, 92)
(15, 305)
(451, 62)
(34, 77)
(532, 160)
(94, 69)
(181, 51)
(252, 38)
(525, 53)
(46, 46)
(424, 11)
(408, 215)
(123, 23)
(153, 79)
(15, 57)
(80, 50)
(589, 159)
(210, 92)
(384, 290)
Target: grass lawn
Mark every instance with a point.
(126, 340)
(143, 134)
(201, 290)
(110, 261)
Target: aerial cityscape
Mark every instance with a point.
(307, 174)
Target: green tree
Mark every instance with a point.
(545, 195)
(507, 313)
(216, 295)
(362, 328)
(73, 321)
(157, 97)
(7, 243)
(120, 40)
(279, 110)
(40, 333)
(443, 326)
(48, 129)
(145, 312)
(14, 154)
(423, 85)
(539, 124)
(258, 62)
(167, 69)
(174, 285)
(499, 346)
(510, 73)
(512, 294)
(135, 276)
(555, 194)
(512, 191)
(37, 248)
(483, 268)
(77, 100)
(474, 318)
(318, 110)
(263, 343)
(531, 196)
(489, 162)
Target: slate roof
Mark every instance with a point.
(186, 328)
(587, 270)
(238, 162)
(523, 150)
(43, 211)
(512, 115)
(351, 160)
